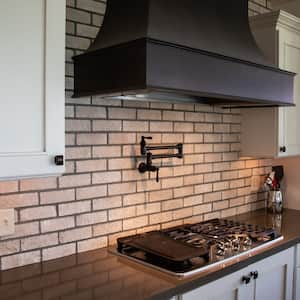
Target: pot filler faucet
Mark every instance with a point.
(145, 151)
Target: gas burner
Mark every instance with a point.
(185, 249)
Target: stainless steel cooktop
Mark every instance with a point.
(189, 249)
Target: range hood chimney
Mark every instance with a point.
(180, 51)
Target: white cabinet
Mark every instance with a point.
(274, 281)
(229, 287)
(32, 67)
(274, 132)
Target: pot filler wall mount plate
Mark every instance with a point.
(180, 51)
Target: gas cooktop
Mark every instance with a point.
(192, 248)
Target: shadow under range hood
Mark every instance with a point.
(198, 51)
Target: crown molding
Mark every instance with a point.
(276, 19)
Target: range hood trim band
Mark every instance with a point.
(138, 66)
(200, 51)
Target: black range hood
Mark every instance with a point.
(180, 51)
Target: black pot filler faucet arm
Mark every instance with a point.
(145, 150)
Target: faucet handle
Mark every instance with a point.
(157, 174)
(143, 144)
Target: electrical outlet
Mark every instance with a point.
(7, 222)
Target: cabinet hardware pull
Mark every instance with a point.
(246, 279)
(59, 160)
(254, 274)
(282, 149)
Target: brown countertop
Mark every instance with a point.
(102, 275)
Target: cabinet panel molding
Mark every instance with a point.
(32, 59)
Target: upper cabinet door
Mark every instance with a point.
(274, 132)
(32, 64)
(289, 117)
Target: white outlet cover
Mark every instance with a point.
(7, 222)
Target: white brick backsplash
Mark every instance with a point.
(161, 217)
(22, 259)
(193, 200)
(122, 138)
(9, 247)
(23, 230)
(18, 200)
(59, 251)
(149, 115)
(121, 113)
(102, 196)
(36, 213)
(185, 107)
(107, 228)
(78, 125)
(203, 127)
(133, 199)
(106, 203)
(38, 184)
(75, 234)
(90, 112)
(78, 153)
(106, 177)
(91, 139)
(184, 191)
(91, 218)
(213, 118)
(194, 117)
(57, 196)
(135, 223)
(90, 165)
(87, 31)
(160, 195)
(57, 224)
(193, 138)
(183, 213)
(136, 126)
(93, 6)
(8, 187)
(172, 204)
(77, 42)
(106, 151)
(148, 208)
(161, 126)
(74, 208)
(41, 241)
(122, 188)
(74, 180)
(78, 15)
(120, 213)
(121, 163)
(92, 244)
(107, 125)
(173, 115)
